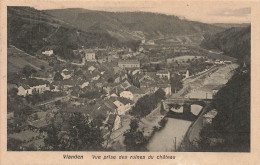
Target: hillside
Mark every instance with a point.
(131, 25)
(18, 59)
(232, 123)
(32, 31)
(230, 25)
(235, 42)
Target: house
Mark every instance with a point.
(187, 74)
(129, 64)
(48, 52)
(115, 92)
(208, 117)
(228, 62)
(123, 105)
(120, 77)
(150, 42)
(141, 49)
(90, 55)
(210, 61)
(136, 72)
(127, 94)
(56, 86)
(95, 78)
(163, 74)
(104, 59)
(85, 84)
(108, 87)
(114, 121)
(91, 68)
(219, 62)
(166, 87)
(29, 85)
(146, 81)
(66, 74)
(125, 85)
(136, 92)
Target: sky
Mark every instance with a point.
(203, 11)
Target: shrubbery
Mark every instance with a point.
(146, 104)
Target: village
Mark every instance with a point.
(104, 85)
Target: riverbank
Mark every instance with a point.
(192, 135)
(188, 131)
(216, 79)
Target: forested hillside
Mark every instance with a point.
(32, 30)
(235, 42)
(232, 123)
(132, 25)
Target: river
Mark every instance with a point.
(164, 140)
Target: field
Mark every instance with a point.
(179, 40)
(17, 59)
(185, 58)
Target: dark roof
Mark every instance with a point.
(111, 119)
(125, 100)
(126, 84)
(33, 82)
(162, 72)
(128, 62)
(110, 104)
(136, 90)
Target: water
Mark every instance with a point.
(195, 109)
(164, 140)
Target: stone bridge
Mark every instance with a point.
(185, 102)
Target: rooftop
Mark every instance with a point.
(30, 82)
(128, 62)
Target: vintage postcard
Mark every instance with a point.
(129, 82)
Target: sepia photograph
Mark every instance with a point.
(129, 76)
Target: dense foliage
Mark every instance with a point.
(46, 95)
(134, 138)
(234, 42)
(76, 134)
(176, 82)
(232, 124)
(34, 31)
(146, 104)
(198, 65)
(131, 25)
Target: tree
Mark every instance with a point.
(79, 135)
(52, 141)
(134, 125)
(176, 83)
(13, 144)
(28, 71)
(162, 110)
(147, 103)
(134, 139)
(232, 123)
(58, 77)
(42, 67)
(110, 80)
(13, 92)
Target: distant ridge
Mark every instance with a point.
(123, 25)
(235, 42)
